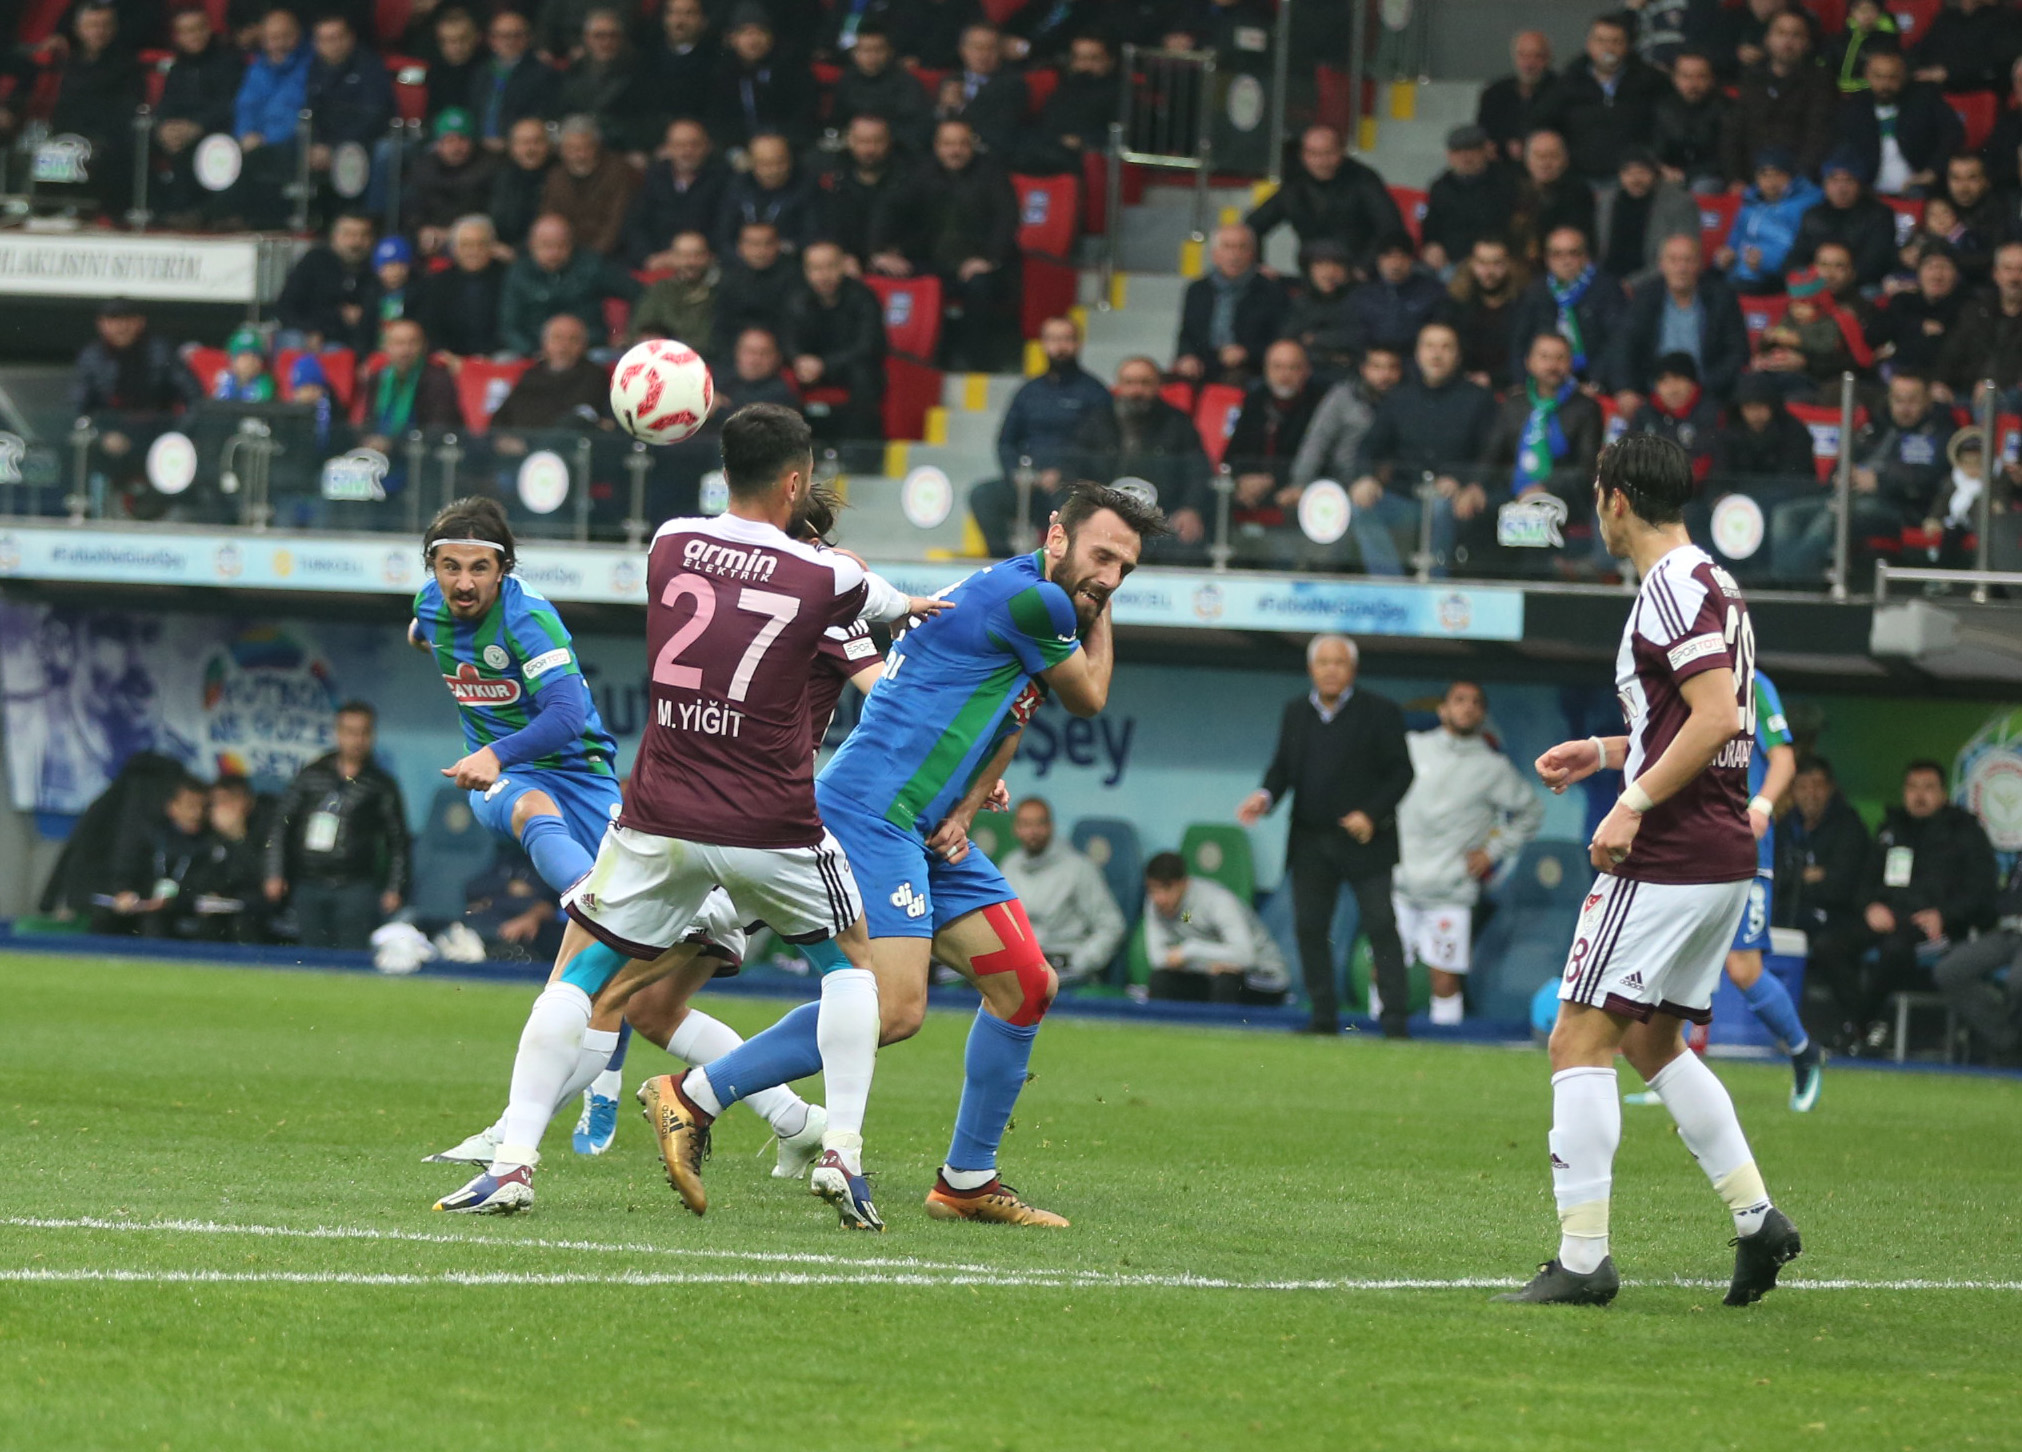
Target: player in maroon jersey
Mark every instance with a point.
(721, 795)
(1676, 856)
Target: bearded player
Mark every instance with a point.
(541, 772)
(1677, 858)
(898, 796)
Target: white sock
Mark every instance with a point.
(608, 1081)
(1707, 1123)
(590, 1072)
(701, 1093)
(1451, 1009)
(1586, 1127)
(551, 1047)
(1375, 1000)
(967, 1179)
(700, 1039)
(848, 1034)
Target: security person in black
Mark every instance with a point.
(340, 841)
(1341, 755)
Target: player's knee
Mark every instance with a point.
(531, 805)
(1033, 976)
(1743, 968)
(899, 1019)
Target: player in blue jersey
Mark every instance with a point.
(1772, 765)
(899, 796)
(542, 771)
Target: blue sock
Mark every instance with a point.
(993, 1067)
(558, 857)
(1770, 1002)
(783, 1053)
(618, 1054)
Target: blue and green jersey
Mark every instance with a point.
(1770, 730)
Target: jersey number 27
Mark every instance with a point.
(777, 609)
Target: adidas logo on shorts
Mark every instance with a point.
(916, 907)
(1634, 980)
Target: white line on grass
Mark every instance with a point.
(1006, 1280)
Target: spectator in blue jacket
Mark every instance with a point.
(1388, 310)
(271, 95)
(1766, 226)
(1040, 426)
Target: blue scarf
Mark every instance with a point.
(1569, 295)
(1544, 441)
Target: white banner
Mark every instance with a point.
(149, 269)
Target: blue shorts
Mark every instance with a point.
(589, 803)
(1752, 935)
(908, 891)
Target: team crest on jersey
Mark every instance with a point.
(473, 689)
(495, 656)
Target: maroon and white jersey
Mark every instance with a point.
(1688, 617)
(735, 616)
(845, 650)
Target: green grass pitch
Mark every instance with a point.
(1234, 1197)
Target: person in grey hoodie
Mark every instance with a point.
(1205, 944)
(1469, 809)
(1077, 922)
(1343, 417)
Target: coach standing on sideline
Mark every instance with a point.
(1341, 753)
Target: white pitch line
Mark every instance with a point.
(1005, 1280)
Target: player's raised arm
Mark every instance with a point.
(1081, 681)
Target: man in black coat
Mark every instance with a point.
(339, 847)
(521, 181)
(1508, 107)
(1912, 329)
(1268, 431)
(873, 83)
(1329, 194)
(1850, 217)
(867, 172)
(683, 59)
(196, 101)
(986, 95)
(331, 295)
(1075, 119)
(1603, 102)
(682, 192)
(1926, 130)
(756, 90)
(1821, 851)
(754, 287)
(1687, 124)
(1705, 306)
(1470, 200)
(1342, 759)
(460, 307)
(834, 337)
(1229, 317)
(1929, 879)
(514, 84)
(95, 99)
(1969, 47)
(1147, 438)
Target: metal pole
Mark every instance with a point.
(582, 473)
(138, 216)
(1220, 552)
(1842, 488)
(638, 464)
(1428, 491)
(1983, 507)
(1358, 28)
(1204, 149)
(1024, 479)
(448, 453)
(1281, 66)
(1113, 185)
(83, 434)
(395, 159)
(299, 220)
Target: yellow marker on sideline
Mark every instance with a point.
(1403, 100)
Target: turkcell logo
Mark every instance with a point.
(915, 905)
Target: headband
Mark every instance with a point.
(490, 544)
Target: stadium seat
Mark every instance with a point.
(1411, 203)
(991, 831)
(340, 367)
(155, 73)
(1830, 15)
(912, 313)
(1095, 187)
(1039, 86)
(1524, 944)
(1112, 844)
(209, 366)
(1180, 393)
(389, 20)
(1913, 18)
(39, 19)
(999, 11)
(481, 386)
(410, 87)
(1909, 215)
(1221, 850)
(1049, 216)
(450, 850)
(1215, 417)
(930, 82)
(1763, 313)
(1977, 111)
(1716, 219)
(617, 320)
(1823, 421)
(911, 388)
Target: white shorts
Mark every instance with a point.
(1439, 937)
(646, 893)
(720, 931)
(1653, 947)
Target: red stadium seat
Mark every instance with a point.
(209, 365)
(1830, 15)
(1039, 85)
(911, 388)
(482, 385)
(1913, 17)
(1823, 421)
(617, 320)
(1180, 394)
(999, 11)
(410, 87)
(1048, 290)
(1976, 111)
(1216, 418)
(1716, 220)
(1049, 214)
(1763, 313)
(1411, 205)
(930, 82)
(39, 20)
(912, 313)
(1909, 215)
(389, 19)
(155, 65)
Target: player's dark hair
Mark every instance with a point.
(1652, 473)
(472, 517)
(1924, 763)
(1166, 867)
(816, 518)
(356, 707)
(1084, 499)
(761, 441)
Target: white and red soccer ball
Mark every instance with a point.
(661, 391)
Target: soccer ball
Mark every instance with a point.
(661, 391)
